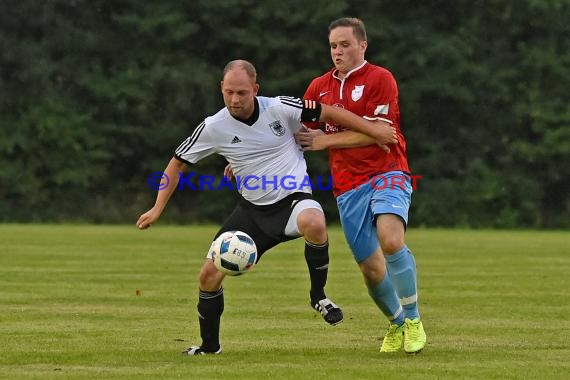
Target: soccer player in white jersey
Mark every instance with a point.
(256, 135)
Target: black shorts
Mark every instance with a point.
(265, 224)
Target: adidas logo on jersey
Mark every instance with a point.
(236, 140)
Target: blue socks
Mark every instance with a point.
(402, 270)
(387, 300)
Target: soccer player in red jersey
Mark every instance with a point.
(374, 206)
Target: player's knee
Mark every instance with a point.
(313, 226)
(391, 244)
(316, 227)
(210, 278)
(391, 230)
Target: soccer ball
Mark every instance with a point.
(234, 252)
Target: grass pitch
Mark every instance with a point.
(112, 302)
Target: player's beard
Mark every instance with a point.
(240, 112)
(236, 112)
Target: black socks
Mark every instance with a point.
(210, 309)
(317, 257)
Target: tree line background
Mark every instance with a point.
(95, 95)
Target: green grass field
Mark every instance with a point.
(495, 305)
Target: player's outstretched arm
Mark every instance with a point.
(172, 171)
(382, 132)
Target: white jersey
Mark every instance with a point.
(266, 161)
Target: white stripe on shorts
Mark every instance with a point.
(292, 229)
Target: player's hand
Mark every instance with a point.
(386, 134)
(147, 219)
(228, 172)
(309, 139)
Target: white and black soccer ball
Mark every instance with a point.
(234, 252)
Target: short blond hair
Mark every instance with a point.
(244, 65)
(356, 24)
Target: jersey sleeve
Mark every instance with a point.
(199, 145)
(382, 104)
(300, 110)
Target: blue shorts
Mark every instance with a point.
(386, 193)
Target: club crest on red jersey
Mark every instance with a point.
(277, 128)
(357, 93)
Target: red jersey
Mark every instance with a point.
(371, 92)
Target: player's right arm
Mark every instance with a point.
(316, 139)
(172, 171)
(381, 132)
